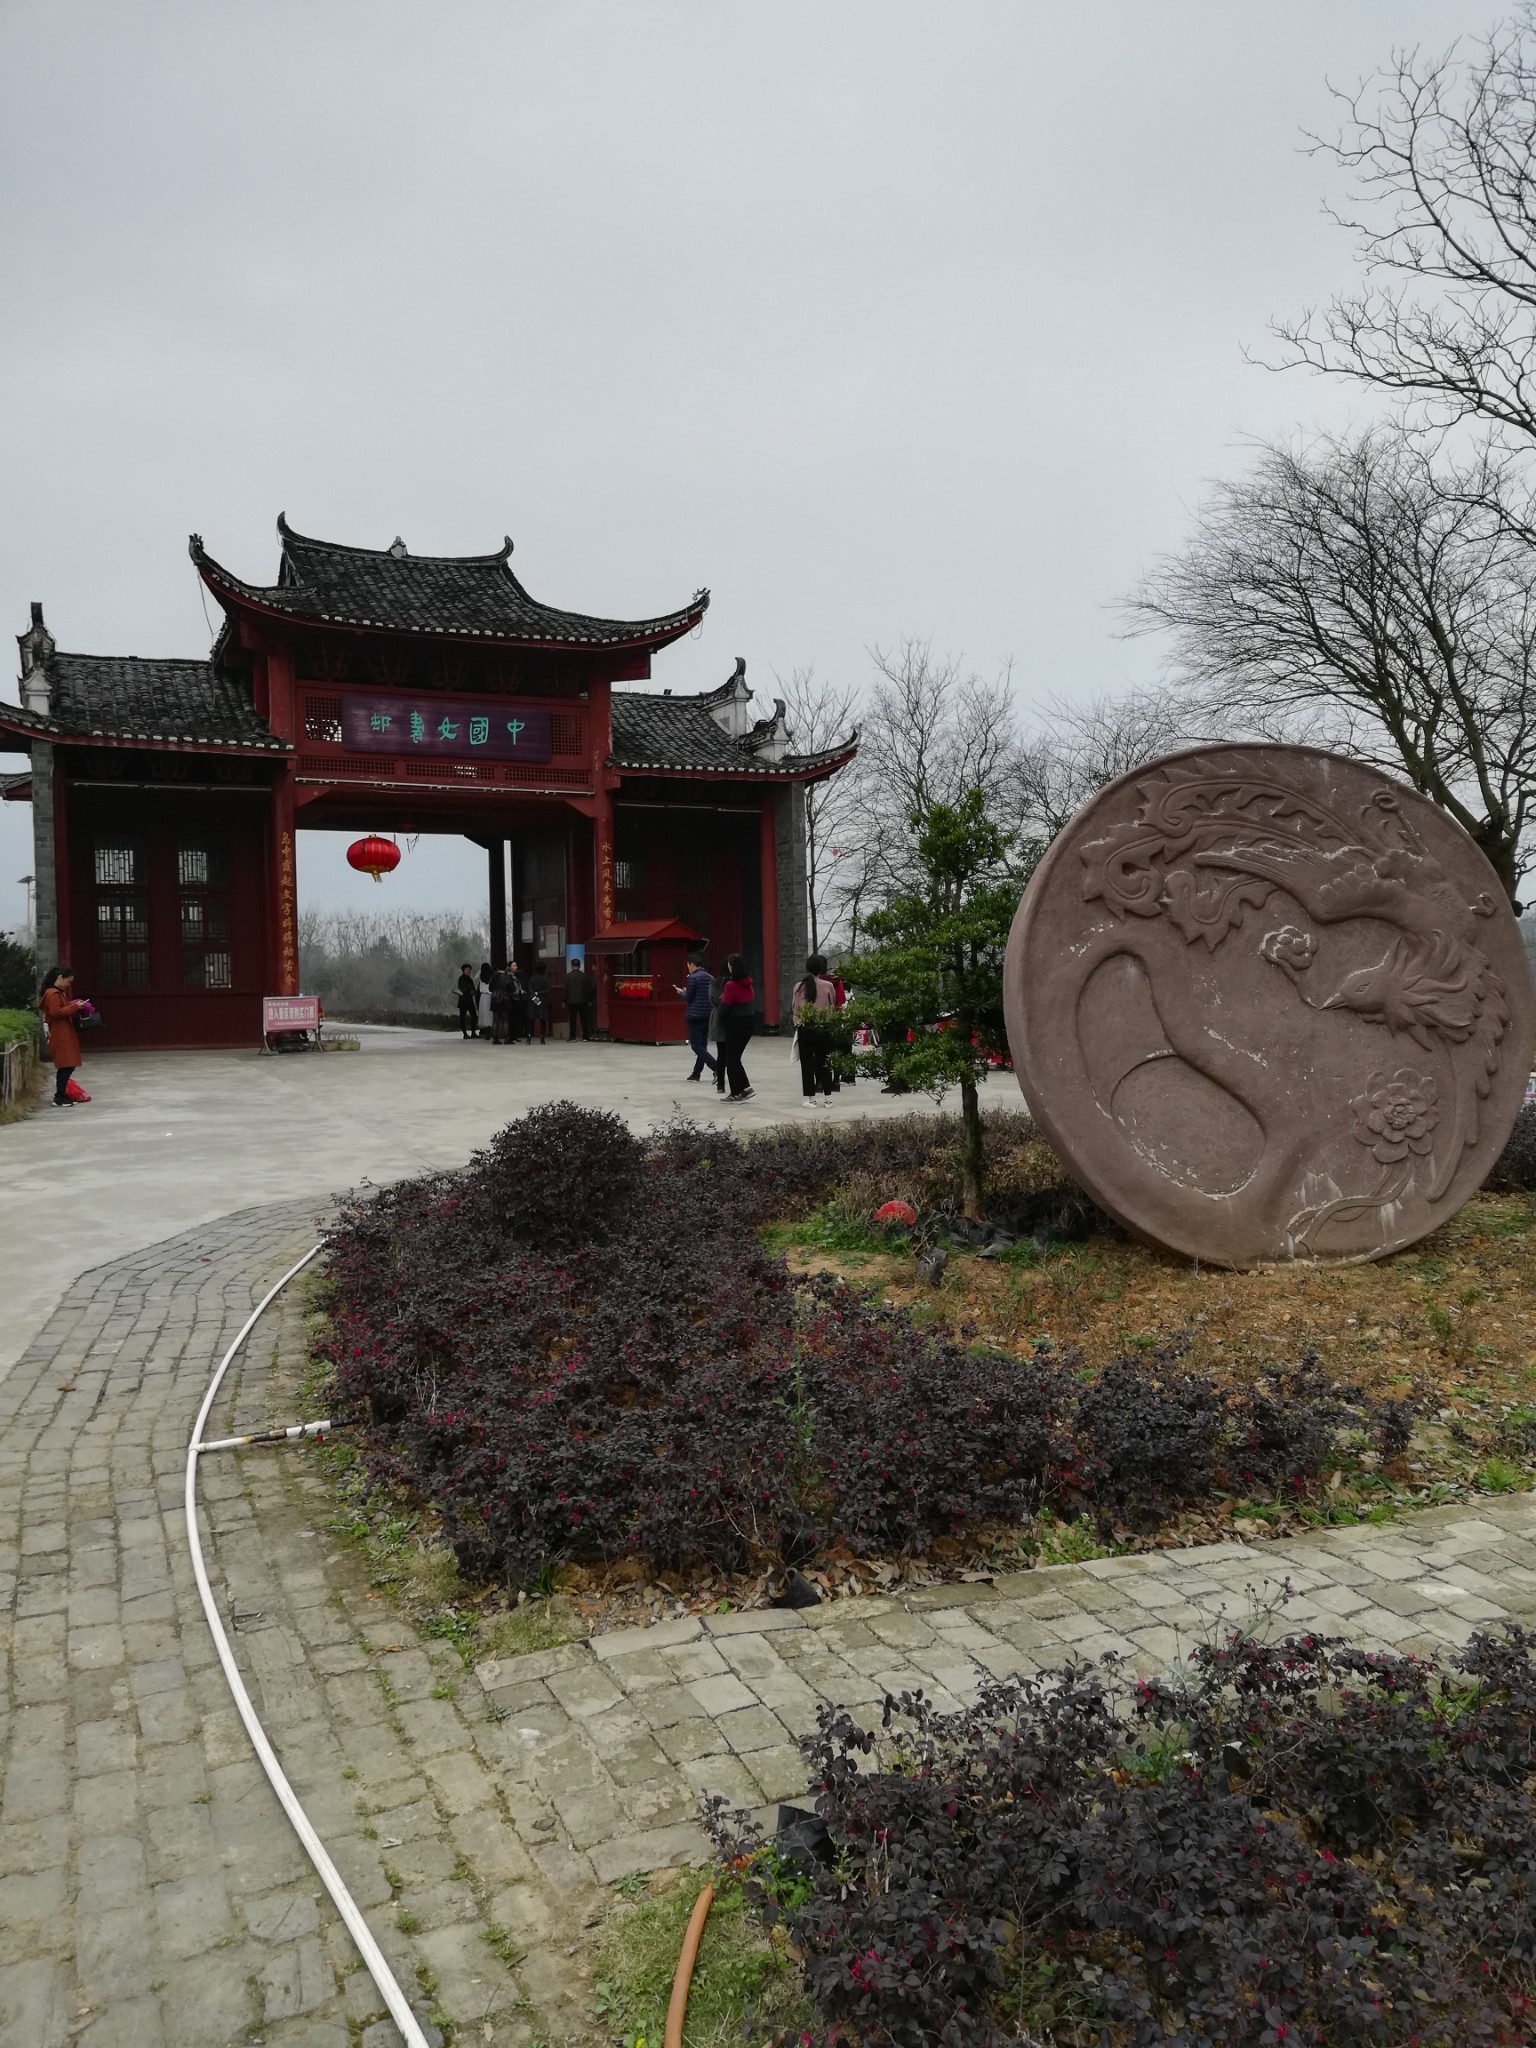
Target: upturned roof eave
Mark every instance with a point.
(809, 768)
(33, 725)
(630, 634)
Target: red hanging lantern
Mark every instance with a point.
(373, 856)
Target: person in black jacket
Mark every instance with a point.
(538, 1001)
(499, 1006)
(699, 998)
(517, 1005)
(469, 1002)
(581, 1000)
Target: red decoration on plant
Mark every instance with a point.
(373, 856)
(892, 1213)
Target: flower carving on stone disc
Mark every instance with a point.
(1289, 947)
(1397, 1114)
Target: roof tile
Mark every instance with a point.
(119, 696)
(392, 590)
(651, 731)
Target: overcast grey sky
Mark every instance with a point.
(875, 317)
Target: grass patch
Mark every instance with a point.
(832, 1228)
(1501, 1475)
(408, 1561)
(26, 1026)
(740, 1977)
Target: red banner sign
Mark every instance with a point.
(459, 729)
(290, 1013)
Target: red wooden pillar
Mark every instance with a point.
(768, 866)
(602, 860)
(63, 879)
(283, 889)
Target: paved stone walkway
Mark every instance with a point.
(151, 1893)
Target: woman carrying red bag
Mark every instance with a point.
(60, 1009)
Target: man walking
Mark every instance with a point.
(581, 1000)
(698, 1003)
(469, 1001)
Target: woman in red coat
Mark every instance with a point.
(59, 1013)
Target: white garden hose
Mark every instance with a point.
(330, 1876)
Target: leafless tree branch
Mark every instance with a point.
(1365, 594)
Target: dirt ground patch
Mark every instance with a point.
(1451, 1322)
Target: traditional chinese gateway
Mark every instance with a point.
(377, 690)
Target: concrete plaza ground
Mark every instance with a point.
(170, 1140)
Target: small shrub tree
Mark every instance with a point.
(18, 975)
(929, 982)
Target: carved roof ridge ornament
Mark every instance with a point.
(1269, 1004)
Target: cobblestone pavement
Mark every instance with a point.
(153, 1896)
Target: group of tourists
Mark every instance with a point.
(510, 1006)
(720, 1011)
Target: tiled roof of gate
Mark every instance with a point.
(120, 697)
(391, 590)
(660, 732)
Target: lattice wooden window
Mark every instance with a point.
(564, 732)
(121, 875)
(202, 879)
(322, 719)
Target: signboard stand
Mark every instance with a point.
(284, 1014)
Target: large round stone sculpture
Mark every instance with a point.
(1268, 1004)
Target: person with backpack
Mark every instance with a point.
(815, 997)
(738, 1014)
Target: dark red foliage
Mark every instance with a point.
(1297, 1844)
(579, 1352)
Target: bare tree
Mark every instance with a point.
(821, 717)
(1072, 751)
(1442, 151)
(1353, 592)
(933, 730)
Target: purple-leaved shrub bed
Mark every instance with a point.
(578, 1352)
(1300, 1844)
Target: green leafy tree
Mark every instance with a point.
(18, 975)
(929, 978)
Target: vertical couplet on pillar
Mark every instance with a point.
(285, 889)
(768, 867)
(602, 844)
(498, 899)
(63, 891)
